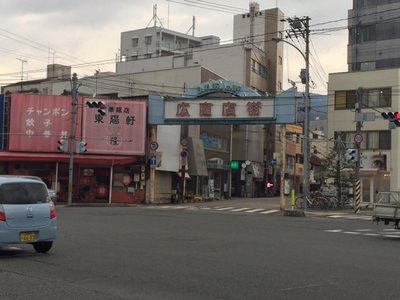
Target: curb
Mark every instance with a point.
(294, 213)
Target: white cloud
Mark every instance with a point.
(89, 30)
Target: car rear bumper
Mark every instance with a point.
(9, 235)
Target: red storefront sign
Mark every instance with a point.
(39, 121)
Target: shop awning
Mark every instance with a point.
(88, 159)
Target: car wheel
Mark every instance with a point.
(42, 247)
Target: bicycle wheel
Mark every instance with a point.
(299, 202)
(323, 202)
(333, 202)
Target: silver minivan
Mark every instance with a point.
(27, 214)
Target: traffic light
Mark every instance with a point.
(81, 147)
(234, 165)
(63, 145)
(392, 116)
(100, 105)
(352, 155)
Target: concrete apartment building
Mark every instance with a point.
(374, 66)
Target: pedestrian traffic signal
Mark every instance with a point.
(100, 105)
(352, 155)
(392, 116)
(63, 145)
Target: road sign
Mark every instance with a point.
(358, 138)
(153, 161)
(154, 145)
(184, 153)
(184, 142)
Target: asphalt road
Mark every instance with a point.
(192, 253)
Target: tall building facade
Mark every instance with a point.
(372, 81)
(252, 59)
(374, 35)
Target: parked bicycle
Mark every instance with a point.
(316, 200)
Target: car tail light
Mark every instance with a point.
(53, 213)
(2, 214)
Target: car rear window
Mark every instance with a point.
(23, 193)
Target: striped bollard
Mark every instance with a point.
(357, 196)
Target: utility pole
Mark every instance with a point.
(360, 92)
(71, 143)
(23, 61)
(301, 27)
(282, 163)
(357, 184)
(307, 106)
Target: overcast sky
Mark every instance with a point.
(86, 33)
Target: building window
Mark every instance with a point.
(290, 163)
(135, 42)
(147, 39)
(368, 33)
(280, 60)
(367, 66)
(258, 68)
(345, 99)
(379, 97)
(372, 140)
(375, 97)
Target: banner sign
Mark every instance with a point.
(37, 122)
(122, 130)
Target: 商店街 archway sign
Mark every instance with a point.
(222, 102)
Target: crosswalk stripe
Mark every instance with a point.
(225, 208)
(269, 211)
(254, 210)
(350, 217)
(240, 209)
(391, 235)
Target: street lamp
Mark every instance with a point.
(306, 145)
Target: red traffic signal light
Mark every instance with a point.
(392, 116)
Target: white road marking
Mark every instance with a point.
(240, 209)
(334, 230)
(371, 234)
(254, 210)
(336, 216)
(393, 232)
(363, 230)
(350, 217)
(392, 236)
(179, 207)
(269, 211)
(352, 232)
(355, 217)
(225, 208)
